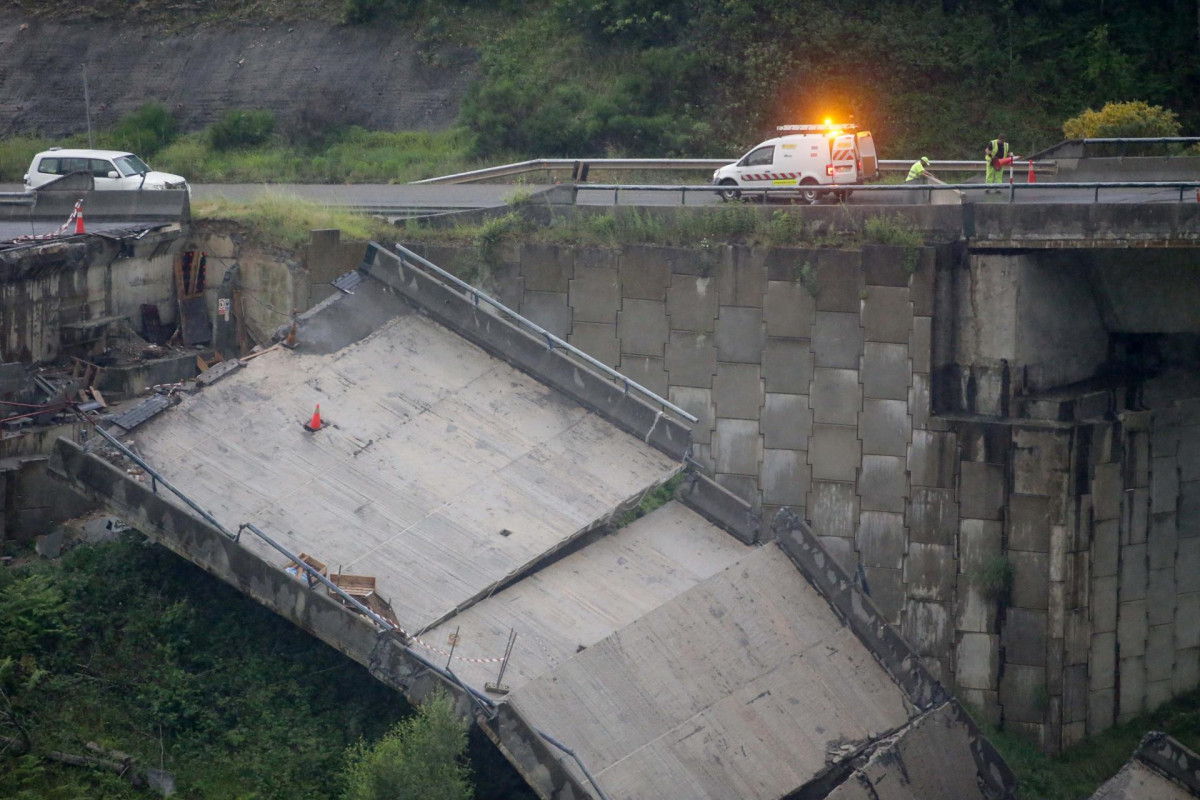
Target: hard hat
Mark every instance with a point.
(925, 160)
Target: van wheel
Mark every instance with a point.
(809, 195)
(729, 194)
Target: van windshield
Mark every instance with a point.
(131, 165)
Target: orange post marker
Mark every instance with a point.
(1032, 176)
(79, 218)
(315, 423)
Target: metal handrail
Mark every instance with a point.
(539, 164)
(156, 478)
(1011, 188)
(1142, 140)
(18, 198)
(552, 341)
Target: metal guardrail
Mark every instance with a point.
(1011, 188)
(578, 164)
(552, 341)
(18, 199)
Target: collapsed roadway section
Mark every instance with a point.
(432, 490)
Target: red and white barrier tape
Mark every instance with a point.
(41, 237)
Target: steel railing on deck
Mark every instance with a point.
(552, 341)
(578, 167)
(1183, 187)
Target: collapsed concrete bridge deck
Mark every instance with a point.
(675, 658)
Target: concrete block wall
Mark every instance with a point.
(1030, 565)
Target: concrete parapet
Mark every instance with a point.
(721, 507)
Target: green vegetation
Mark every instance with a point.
(129, 646)
(993, 577)
(241, 129)
(420, 757)
(656, 498)
(277, 219)
(1078, 772)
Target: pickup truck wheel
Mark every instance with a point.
(810, 194)
(729, 194)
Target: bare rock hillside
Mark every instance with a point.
(378, 77)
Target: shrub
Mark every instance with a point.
(1123, 120)
(241, 129)
(145, 131)
(419, 757)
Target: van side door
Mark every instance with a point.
(843, 159)
(866, 155)
(755, 168)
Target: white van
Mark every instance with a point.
(110, 169)
(807, 157)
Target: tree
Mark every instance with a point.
(1123, 120)
(420, 757)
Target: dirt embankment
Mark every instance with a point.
(377, 77)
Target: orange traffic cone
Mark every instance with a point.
(79, 218)
(315, 423)
(1032, 177)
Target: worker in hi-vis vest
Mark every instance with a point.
(997, 157)
(919, 169)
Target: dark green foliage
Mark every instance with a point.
(420, 757)
(145, 131)
(127, 645)
(239, 128)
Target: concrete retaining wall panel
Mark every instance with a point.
(739, 334)
(887, 315)
(1160, 653)
(1187, 671)
(1029, 523)
(1160, 596)
(919, 400)
(787, 421)
(920, 344)
(932, 515)
(1104, 604)
(880, 539)
(1132, 628)
(788, 309)
(1106, 491)
(741, 276)
(837, 339)
(744, 486)
(927, 628)
(1100, 710)
(886, 371)
(737, 446)
(691, 359)
(1105, 548)
(1131, 699)
(977, 660)
(1031, 579)
(842, 551)
(1164, 485)
(835, 452)
(1023, 693)
(1188, 520)
(833, 509)
(930, 572)
(884, 426)
(932, 457)
(737, 391)
(981, 490)
(692, 303)
(787, 365)
(922, 284)
(1133, 572)
(1187, 566)
(886, 588)
(547, 267)
(1023, 637)
(595, 295)
(1187, 621)
(597, 340)
(548, 309)
(649, 372)
(839, 281)
(1137, 516)
(785, 477)
(645, 271)
(883, 484)
(883, 265)
(836, 396)
(1102, 664)
(642, 327)
(697, 402)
